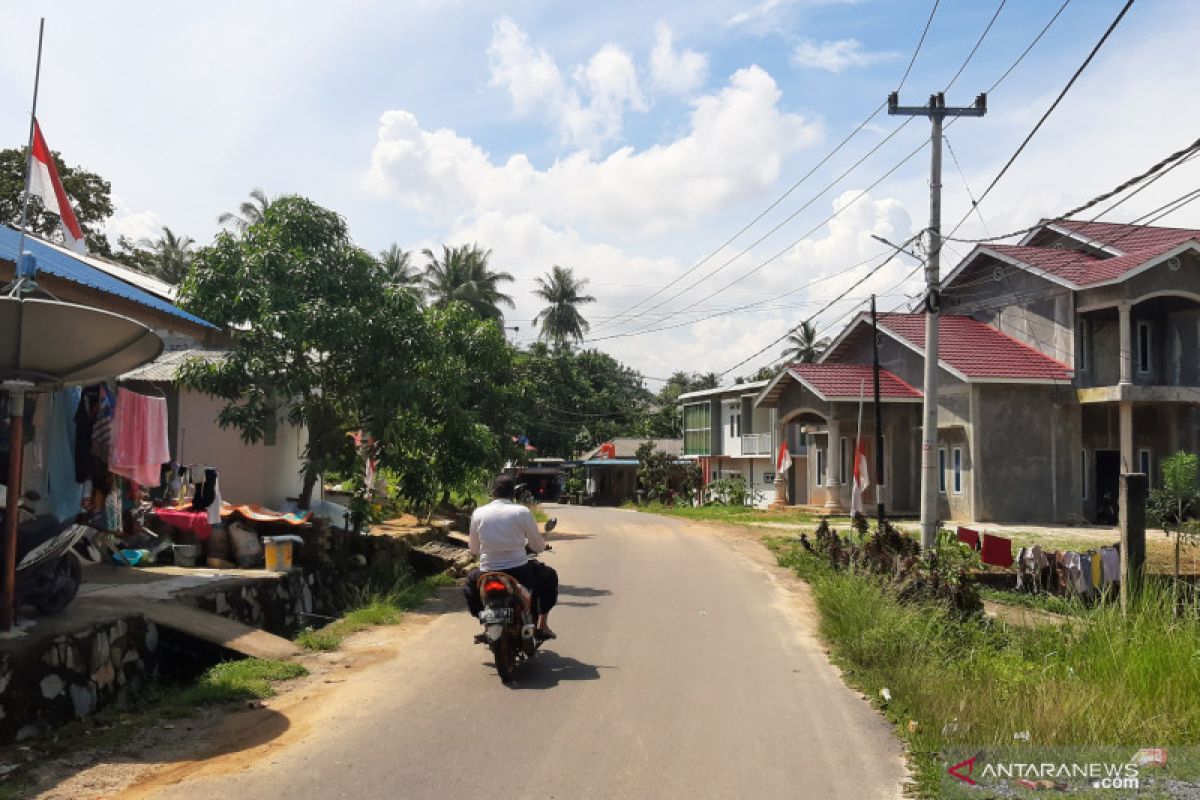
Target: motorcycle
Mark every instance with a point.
(48, 570)
(508, 619)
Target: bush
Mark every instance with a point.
(731, 491)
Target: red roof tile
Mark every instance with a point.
(978, 350)
(847, 381)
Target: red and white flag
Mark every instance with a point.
(45, 183)
(784, 460)
(862, 478)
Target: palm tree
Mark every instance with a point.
(462, 275)
(398, 267)
(561, 321)
(171, 256)
(803, 344)
(249, 212)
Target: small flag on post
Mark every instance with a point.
(45, 184)
(784, 461)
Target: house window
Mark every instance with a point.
(958, 470)
(1144, 465)
(697, 429)
(842, 459)
(1083, 357)
(1083, 473)
(942, 470)
(820, 466)
(1143, 347)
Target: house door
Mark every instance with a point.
(1108, 485)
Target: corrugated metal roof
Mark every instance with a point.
(166, 366)
(66, 265)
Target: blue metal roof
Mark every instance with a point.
(63, 265)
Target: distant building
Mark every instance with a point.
(610, 469)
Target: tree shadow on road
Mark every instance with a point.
(549, 668)
(582, 591)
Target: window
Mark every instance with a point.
(1143, 347)
(820, 466)
(958, 470)
(942, 470)
(1083, 473)
(697, 430)
(842, 459)
(1144, 465)
(1084, 345)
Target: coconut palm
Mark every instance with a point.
(171, 256)
(249, 212)
(561, 321)
(803, 344)
(398, 267)
(461, 274)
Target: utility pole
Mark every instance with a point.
(878, 417)
(936, 111)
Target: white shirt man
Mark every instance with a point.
(499, 532)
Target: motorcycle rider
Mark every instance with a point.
(499, 534)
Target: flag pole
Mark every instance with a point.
(862, 387)
(37, 79)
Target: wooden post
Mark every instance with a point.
(1133, 535)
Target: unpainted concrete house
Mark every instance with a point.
(1064, 360)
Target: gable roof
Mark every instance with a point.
(841, 382)
(750, 387)
(975, 351)
(94, 274)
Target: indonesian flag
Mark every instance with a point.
(783, 462)
(44, 183)
(862, 478)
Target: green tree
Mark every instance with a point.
(172, 256)
(561, 321)
(399, 269)
(462, 275)
(90, 194)
(249, 212)
(1175, 504)
(299, 299)
(803, 345)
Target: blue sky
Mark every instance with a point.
(626, 140)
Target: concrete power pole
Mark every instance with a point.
(936, 111)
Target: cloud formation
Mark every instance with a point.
(836, 56)
(673, 71)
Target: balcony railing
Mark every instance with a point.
(756, 444)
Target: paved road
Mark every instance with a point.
(682, 670)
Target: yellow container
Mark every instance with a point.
(278, 552)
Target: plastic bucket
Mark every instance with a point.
(186, 554)
(278, 552)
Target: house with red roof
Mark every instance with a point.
(1065, 359)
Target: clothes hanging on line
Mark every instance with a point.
(969, 537)
(65, 492)
(139, 437)
(1110, 559)
(997, 551)
(102, 424)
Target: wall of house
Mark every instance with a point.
(1027, 454)
(250, 473)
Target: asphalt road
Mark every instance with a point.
(683, 669)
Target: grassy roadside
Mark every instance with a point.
(373, 608)
(1101, 679)
(737, 515)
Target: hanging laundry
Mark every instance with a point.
(33, 468)
(112, 506)
(1097, 575)
(65, 492)
(139, 437)
(84, 420)
(102, 424)
(1110, 558)
(1071, 572)
(969, 537)
(1086, 586)
(214, 508)
(205, 487)
(997, 551)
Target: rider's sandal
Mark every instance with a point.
(545, 634)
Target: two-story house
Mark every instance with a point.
(1064, 360)
(728, 435)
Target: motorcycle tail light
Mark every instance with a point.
(494, 586)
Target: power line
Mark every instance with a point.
(978, 42)
(917, 51)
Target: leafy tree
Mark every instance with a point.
(299, 299)
(662, 478)
(90, 194)
(684, 382)
(249, 212)
(172, 256)
(803, 344)
(462, 275)
(561, 321)
(1176, 503)
(399, 269)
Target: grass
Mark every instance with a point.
(373, 608)
(1101, 679)
(1040, 602)
(237, 681)
(740, 515)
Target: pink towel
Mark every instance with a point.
(139, 438)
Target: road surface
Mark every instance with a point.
(683, 669)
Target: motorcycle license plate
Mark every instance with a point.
(490, 616)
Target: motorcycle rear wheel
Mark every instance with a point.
(506, 658)
(64, 585)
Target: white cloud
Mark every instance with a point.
(133, 225)
(836, 56)
(673, 71)
(609, 82)
(734, 150)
